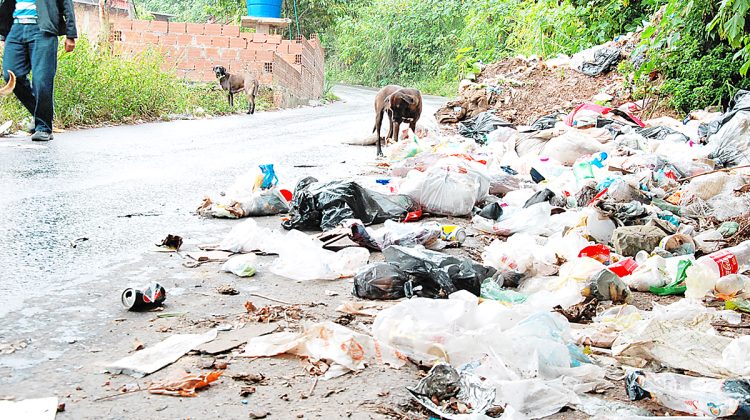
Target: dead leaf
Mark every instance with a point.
(247, 390)
(227, 290)
(172, 242)
(249, 307)
(184, 386)
(253, 378)
(137, 345)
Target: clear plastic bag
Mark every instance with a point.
(241, 265)
(248, 237)
(303, 258)
(442, 191)
(531, 220)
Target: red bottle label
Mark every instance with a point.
(726, 261)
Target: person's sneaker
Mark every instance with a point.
(42, 136)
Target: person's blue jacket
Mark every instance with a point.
(55, 17)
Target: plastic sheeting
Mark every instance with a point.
(325, 205)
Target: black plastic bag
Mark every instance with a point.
(481, 125)
(546, 122)
(539, 197)
(492, 211)
(605, 60)
(435, 274)
(660, 133)
(380, 281)
(323, 206)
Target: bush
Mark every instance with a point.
(94, 87)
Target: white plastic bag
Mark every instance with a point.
(303, 258)
(531, 220)
(442, 191)
(520, 253)
(241, 265)
(570, 146)
(248, 237)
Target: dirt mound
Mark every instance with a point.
(529, 89)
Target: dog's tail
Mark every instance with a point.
(8, 88)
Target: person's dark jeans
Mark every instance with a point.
(28, 50)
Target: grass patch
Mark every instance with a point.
(94, 87)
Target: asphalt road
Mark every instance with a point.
(126, 187)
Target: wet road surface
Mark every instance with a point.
(124, 188)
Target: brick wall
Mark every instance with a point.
(293, 67)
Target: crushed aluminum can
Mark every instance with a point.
(453, 233)
(150, 297)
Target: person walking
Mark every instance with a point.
(30, 31)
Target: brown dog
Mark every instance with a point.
(235, 83)
(402, 106)
(8, 88)
(380, 99)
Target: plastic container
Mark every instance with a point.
(549, 168)
(264, 8)
(706, 271)
(583, 171)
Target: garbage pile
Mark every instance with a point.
(521, 89)
(585, 257)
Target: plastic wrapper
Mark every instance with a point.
(380, 281)
(241, 265)
(303, 258)
(502, 184)
(695, 396)
(595, 61)
(345, 349)
(427, 234)
(530, 220)
(606, 285)
(570, 146)
(445, 384)
(249, 237)
(520, 253)
(651, 273)
(491, 289)
(729, 143)
(628, 240)
(450, 188)
(478, 127)
(436, 274)
(325, 205)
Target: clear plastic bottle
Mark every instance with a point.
(549, 168)
(708, 269)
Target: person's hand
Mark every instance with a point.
(70, 44)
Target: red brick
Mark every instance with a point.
(246, 35)
(264, 55)
(158, 26)
(140, 25)
(247, 55)
(122, 25)
(274, 39)
(231, 53)
(130, 36)
(184, 40)
(149, 38)
(212, 29)
(194, 28)
(230, 30)
(283, 48)
(194, 53)
(202, 40)
(219, 41)
(204, 65)
(260, 46)
(260, 37)
(185, 64)
(168, 39)
(295, 48)
(213, 52)
(238, 42)
(177, 28)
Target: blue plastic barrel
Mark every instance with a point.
(264, 8)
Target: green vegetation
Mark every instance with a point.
(94, 87)
(701, 48)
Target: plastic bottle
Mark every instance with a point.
(583, 171)
(706, 271)
(548, 168)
